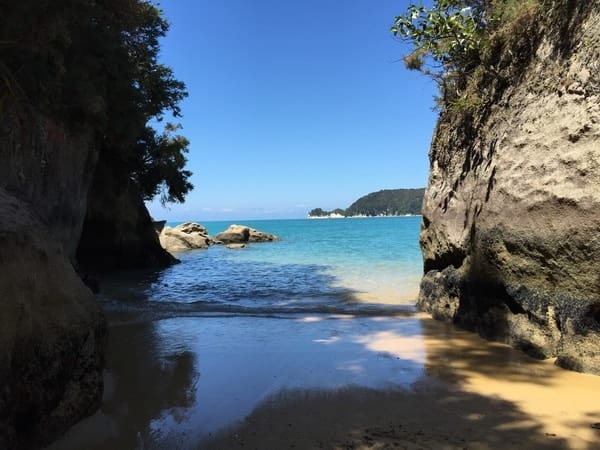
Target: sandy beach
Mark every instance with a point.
(331, 382)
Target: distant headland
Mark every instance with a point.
(383, 203)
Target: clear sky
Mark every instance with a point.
(294, 105)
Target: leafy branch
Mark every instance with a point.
(449, 35)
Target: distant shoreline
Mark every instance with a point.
(339, 216)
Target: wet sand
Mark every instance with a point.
(332, 382)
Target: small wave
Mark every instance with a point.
(163, 309)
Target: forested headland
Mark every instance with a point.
(386, 202)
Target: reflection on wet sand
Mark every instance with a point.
(473, 394)
(147, 390)
(330, 382)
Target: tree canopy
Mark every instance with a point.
(95, 64)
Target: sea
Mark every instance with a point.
(352, 265)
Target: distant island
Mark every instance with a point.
(387, 202)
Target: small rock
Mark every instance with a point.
(236, 246)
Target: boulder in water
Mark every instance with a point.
(237, 234)
(186, 236)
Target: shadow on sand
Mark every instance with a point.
(356, 418)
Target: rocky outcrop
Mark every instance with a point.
(52, 332)
(511, 216)
(118, 232)
(237, 234)
(186, 236)
(190, 235)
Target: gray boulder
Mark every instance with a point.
(237, 234)
(236, 246)
(186, 236)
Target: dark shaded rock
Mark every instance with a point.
(159, 225)
(49, 168)
(52, 334)
(118, 232)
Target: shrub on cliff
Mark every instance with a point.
(457, 41)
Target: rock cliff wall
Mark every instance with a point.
(511, 216)
(49, 168)
(51, 330)
(118, 232)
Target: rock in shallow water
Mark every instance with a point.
(186, 236)
(236, 234)
(236, 246)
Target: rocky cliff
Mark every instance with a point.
(52, 331)
(511, 216)
(118, 232)
(79, 81)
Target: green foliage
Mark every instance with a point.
(160, 170)
(449, 33)
(388, 202)
(94, 64)
(317, 212)
(465, 103)
(506, 11)
(460, 42)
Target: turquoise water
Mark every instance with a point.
(377, 257)
(359, 266)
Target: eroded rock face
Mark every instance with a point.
(237, 234)
(52, 332)
(511, 216)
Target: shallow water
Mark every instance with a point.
(184, 379)
(182, 382)
(319, 324)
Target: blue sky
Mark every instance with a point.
(294, 105)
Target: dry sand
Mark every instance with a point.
(329, 382)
